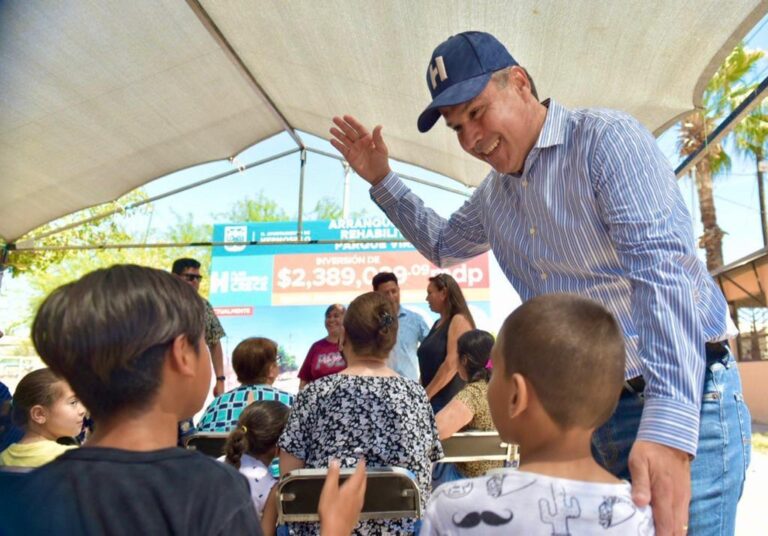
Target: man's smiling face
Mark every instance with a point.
(497, 126)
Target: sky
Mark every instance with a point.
(735, 192)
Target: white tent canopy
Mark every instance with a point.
(98, 98)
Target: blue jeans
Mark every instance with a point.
(722, 458)
(444, 472)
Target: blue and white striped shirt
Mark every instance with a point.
(596, 211)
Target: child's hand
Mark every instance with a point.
(340, 507)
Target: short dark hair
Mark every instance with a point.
(39, 387)
(383, 277)
(251, 359)
(456, 302)
(179, 265)
(571, 350)
(258, 429)
(370, 325)
(108, 333)
(474, 348)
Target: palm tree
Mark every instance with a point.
(751, 137)
(693, 133)
(721, 95)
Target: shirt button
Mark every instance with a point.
(525, 184)
(543, 276)
(532, 230)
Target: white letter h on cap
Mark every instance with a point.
(439, 69)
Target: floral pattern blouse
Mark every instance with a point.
(386, 420)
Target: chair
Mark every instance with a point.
(478, 446)
(390, 493)
(209, 443)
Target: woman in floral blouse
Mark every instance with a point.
(367, 411)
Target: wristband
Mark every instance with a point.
(220, 378)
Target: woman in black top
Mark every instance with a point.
(438, 353)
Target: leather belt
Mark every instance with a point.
(715, 351)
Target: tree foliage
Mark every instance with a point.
(287, 361)
(257, 208)
(44, 271)
(722, 94)
(109, 230)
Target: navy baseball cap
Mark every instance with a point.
(459, 70)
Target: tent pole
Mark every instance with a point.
(151, 245)
(299, 229)
(751, 101)
(401, 175)
(3, 263)
(230, 52)
(137, 204)
(345, 205)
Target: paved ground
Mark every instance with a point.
(751, 518)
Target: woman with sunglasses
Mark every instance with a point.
(438, 353)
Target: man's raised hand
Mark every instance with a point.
(366, 153)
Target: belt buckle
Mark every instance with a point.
(635, 385)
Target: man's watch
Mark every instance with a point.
(220, 378)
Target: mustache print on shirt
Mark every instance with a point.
(473, 519)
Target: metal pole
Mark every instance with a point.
(752, 100)
(345, 206)
(230, 52)
(137, 204)
(3, 263)
(761, 193)
(299, 229)
(28, 246)
(401, 175)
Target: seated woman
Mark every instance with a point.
(325, 357)
(469, 408)
(255, 363)
(366, 411)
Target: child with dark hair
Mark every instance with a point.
(130, 342)
(558, 371)
(255, 363)
(45, 407)
(251, 447)
(367, 410)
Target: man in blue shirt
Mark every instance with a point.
(584, 202)
(411, 332)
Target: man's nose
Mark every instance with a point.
(471, 136)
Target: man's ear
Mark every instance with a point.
(519, 395)
(519, 79)
(182, 356)
(38, 414)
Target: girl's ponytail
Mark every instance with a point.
(258, 429)
(236, 445)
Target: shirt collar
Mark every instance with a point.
(553, 131)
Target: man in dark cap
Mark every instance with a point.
(584, 202)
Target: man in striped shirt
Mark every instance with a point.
(584, 202)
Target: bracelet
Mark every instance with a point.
(220, 378)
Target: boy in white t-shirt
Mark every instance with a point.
(558, 371)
